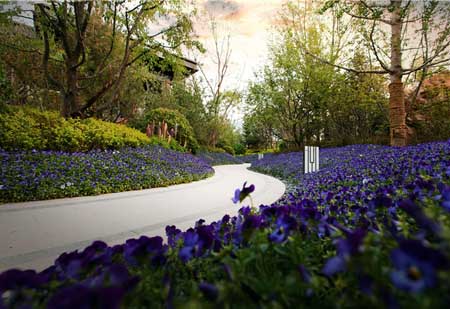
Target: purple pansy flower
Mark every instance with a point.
(241, 194)
(284, 225)
(411, 274)
(209, 290)
(445, 193)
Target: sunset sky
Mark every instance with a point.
(248, 22)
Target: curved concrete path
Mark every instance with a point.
(33, 234)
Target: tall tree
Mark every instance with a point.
(425, 22)
(294, 87)
(219, 101)
(133, 31)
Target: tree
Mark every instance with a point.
(219, 101)
(185, 96)
(429, 109)
(295, 88)
(302, 100)
(358, 112)
(64, 30)
(258, 133)
(425, 21)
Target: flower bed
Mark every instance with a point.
(40, 175)
(218, 158)
(372, 229)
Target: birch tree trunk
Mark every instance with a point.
(397, 113)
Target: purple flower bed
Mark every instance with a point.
(372, 229)
(252, 158)
(219, 158)
(39, 175)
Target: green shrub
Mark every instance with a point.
(154, 140)
(211, 149)
(28, 128)
(173, 118)
(239, 149)
(228, 149)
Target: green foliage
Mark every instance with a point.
(185, 97)
(174, 119)
(259, 126)
(28, 128)
(239, 149)
(301, 100)
(5, 86)
(95, 69)
(435, 114)
(173, 144)
(227, 148)
(359, 109)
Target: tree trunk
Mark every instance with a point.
(71, 98)
(397, 113)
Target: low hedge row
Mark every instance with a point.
(27, 128)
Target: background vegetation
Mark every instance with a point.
(326, 82)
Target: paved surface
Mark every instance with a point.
(33, 234)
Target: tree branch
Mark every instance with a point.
(372, 43)
(45, 64)
(366, 17)
(61, 27)
(342, 67)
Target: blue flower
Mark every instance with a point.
(334, 265)
(445, 193)
(284, 225)
(17, 279)
(411, 274)
(209, 290)
(145, 248)
(190, 245)
(240, 195)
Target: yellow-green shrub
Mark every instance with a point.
(28, 128)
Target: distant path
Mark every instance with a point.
(33, 234)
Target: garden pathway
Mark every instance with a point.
(33, 234)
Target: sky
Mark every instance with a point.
(248, 22)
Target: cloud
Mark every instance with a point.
(223, 8)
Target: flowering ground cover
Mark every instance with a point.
(371, 228)
(219, 158)
(40, 175)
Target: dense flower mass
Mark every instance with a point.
(39, 175)
(371, 228)
(218, 158)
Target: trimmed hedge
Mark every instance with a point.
(27, 128)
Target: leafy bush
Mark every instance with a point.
(371, 229)
(28, 128)
(239, 149)
(173, 144)
(436, 121)
(228, 149)
(174, 119)
(40, 175)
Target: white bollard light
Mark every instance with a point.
(310, 159)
